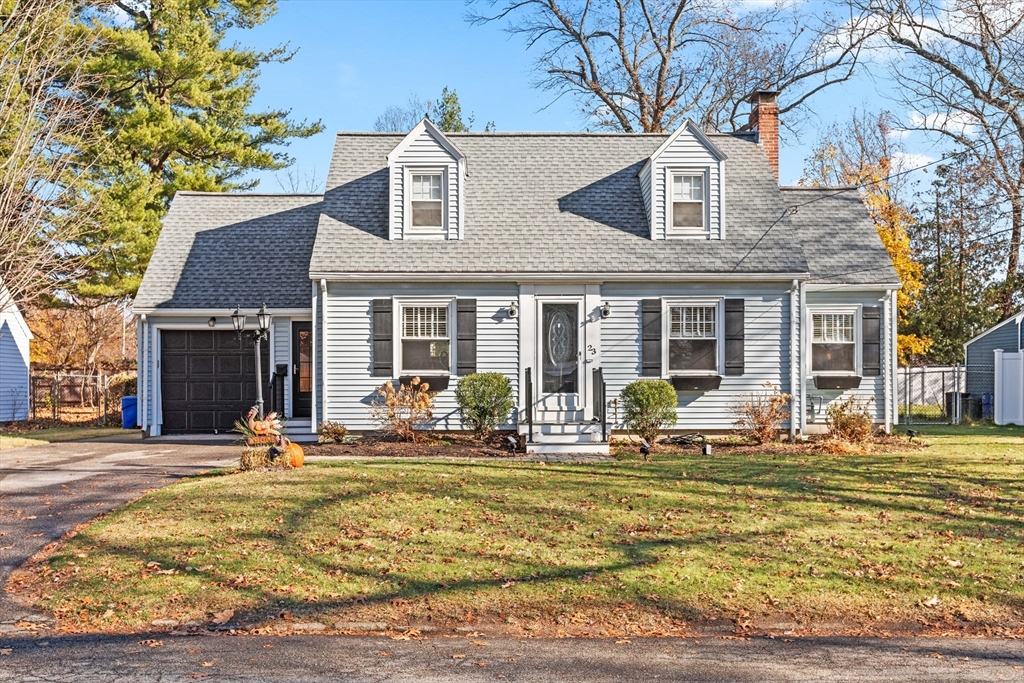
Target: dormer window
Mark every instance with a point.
(427, 210)
(688, 201)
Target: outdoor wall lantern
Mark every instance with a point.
(513, 310)
(606, 310)
(263, 318)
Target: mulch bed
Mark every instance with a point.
(431, 446)
(817, 445)
(495, 445)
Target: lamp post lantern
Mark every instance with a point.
(260, 334)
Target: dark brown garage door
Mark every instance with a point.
(207, 379)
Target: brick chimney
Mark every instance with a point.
(764, 118)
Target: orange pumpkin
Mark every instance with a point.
(296, 456)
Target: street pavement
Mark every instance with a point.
(167, 658)
(46, 491)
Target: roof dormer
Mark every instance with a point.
(426, 177)
(683, 184)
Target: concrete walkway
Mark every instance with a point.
(46, 491)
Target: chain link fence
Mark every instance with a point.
(933, 394)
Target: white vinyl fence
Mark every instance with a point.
(1009, 388)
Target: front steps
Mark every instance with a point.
(298, 429)
(566, 438)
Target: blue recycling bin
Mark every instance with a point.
(129, 412)
(988, 409)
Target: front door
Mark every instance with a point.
(302, 369)
(560, 356)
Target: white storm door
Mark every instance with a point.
(560, 345)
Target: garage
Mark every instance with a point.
(207, 379)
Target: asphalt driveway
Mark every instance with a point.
(46, 491)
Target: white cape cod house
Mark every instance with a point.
(572, 263)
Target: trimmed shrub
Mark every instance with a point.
(649, 406)
(850, 420)
(485, 401)
(762, 413)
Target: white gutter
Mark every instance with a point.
(590, 278)
(323, 346)
(887, 362)
(801, 359)
(141, 379)
(893, 345)
(312, 420)
(793, 358)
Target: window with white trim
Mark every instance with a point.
(693, 339)
(834, 343)
(426, 339)
(688, 200)
(427, 207)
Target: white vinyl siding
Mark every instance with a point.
(282, 331)
(869, 386)
(425, 156)
(766, 346)
(14, 366)
(685, 156)
(351, 386)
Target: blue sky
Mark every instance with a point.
(358, 57)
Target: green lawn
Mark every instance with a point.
(933, 536)
(54, 435)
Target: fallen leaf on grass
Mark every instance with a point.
(453, 656)
(383, 654)
(933, 601)
(624, 641)
(207, 663)
(221, 618)
(478, 643)
(5, 652)
(480, 663)
(152, 643)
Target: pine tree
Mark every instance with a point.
(176, 109)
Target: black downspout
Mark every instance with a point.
(529, 404)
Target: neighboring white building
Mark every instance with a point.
(542, 256)
(14, 361)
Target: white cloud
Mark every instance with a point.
(957, 122)
(905, 161)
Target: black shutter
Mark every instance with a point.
(383, 338)
(734, 336)
(871, 331)
(650, 364)
(465, 327)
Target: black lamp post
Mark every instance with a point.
(260, 334)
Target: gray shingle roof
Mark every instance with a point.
(217, 250)
(550, 203)
(535, 203)
(838, 236)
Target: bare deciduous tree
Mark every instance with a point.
(44, 119)
(397, 119)
(962, 71)
(645, 65)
